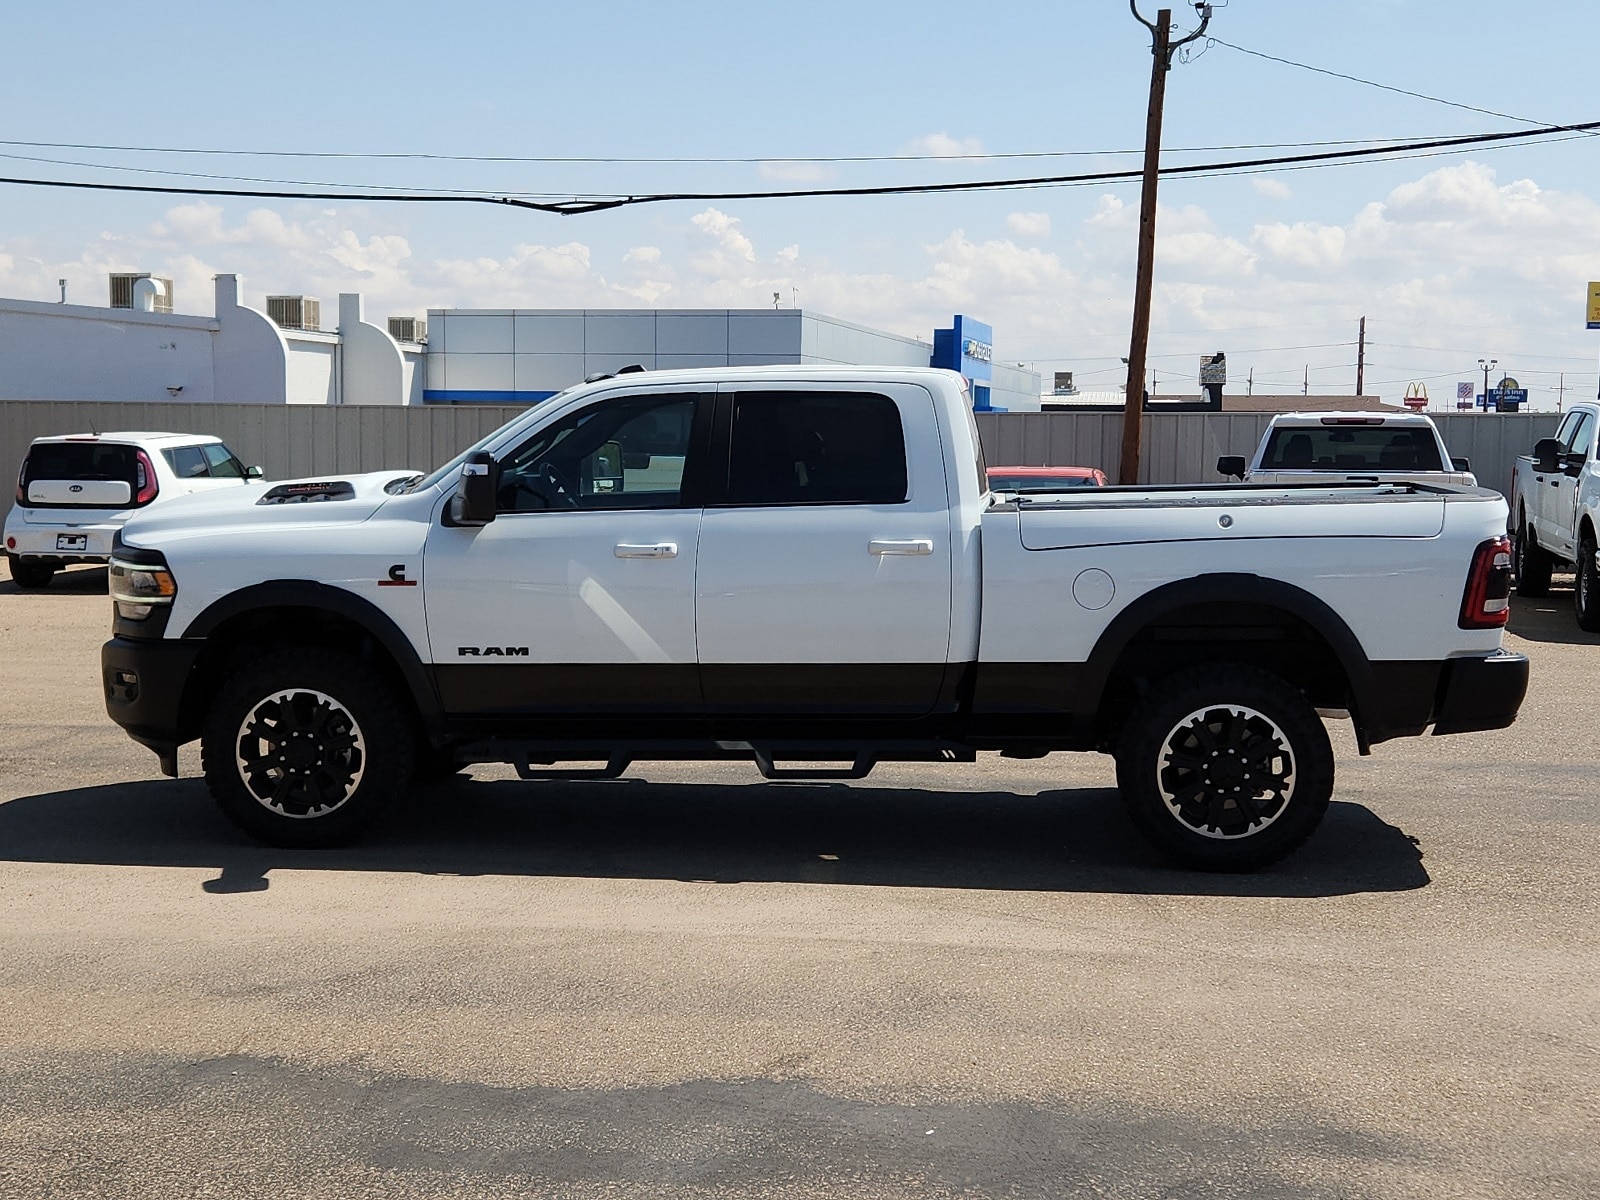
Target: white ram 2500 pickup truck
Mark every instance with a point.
(799, 566)
(1555, 512)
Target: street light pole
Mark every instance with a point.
(1487, 364)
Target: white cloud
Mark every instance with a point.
(1453, 258)
(1272, 189)
(1029, 224)
(797, 172)
(942, 145)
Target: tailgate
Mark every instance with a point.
(1153, 518)
(82, 493)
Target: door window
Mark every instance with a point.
(187, 462)
(222, 462)
(618, 454)
(1581, 438)
(816, 448)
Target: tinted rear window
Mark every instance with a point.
(816, 448)
(81, 460)
(1351, 448)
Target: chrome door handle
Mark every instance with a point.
(913, 546)
(653, 550)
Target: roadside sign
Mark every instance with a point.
(1213, 370)
(1594, 306)
(1416, 397)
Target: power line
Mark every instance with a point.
(422, 156)
(1289, 62)
(582, 205)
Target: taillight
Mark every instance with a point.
(145, 477)
(1487, 601)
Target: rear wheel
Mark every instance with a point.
(1586, 591)
(1225, 768)
(30, 573)
(1530, 564)
(305, 747)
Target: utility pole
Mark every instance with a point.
(1305, 382)
(1161, 49)
(1250, 383)
(1361, 357)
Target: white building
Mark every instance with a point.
(522, 356)
(507, 356)
(239, 355)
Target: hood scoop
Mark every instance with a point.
(309, 493)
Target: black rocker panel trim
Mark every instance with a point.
(872, 689)
(797, 690)
(568, 689)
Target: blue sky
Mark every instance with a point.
(1451, 258)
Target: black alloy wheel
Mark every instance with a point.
(1225, 768)
(304, 748)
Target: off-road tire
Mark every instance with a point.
(1225, 767)
(1530, 564)
(305, 747)
(28, 574)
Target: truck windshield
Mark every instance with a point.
(1347, 448)
(439, 473)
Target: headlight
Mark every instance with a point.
(137, 588)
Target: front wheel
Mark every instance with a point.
(1586, 589)
(1225, 768)
(305, 747)
(30, 573)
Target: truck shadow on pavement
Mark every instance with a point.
(1074, 840)
(73, 581)
(1549, 619)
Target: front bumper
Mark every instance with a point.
(145, 682)
(1481, 693)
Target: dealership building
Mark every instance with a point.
(138, 348)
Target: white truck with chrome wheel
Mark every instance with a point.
(1555, 513)
(804, 568)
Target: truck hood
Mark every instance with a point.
(318, 500)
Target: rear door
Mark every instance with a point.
(825, 563)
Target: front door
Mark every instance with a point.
(825, 565)
(578, 598)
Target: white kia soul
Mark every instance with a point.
(75, 491)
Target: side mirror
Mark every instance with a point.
(1547, 456)
(1460, 464)
(1231, 464)
(474, 503)
(254, 473)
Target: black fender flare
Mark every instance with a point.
(1235, 588)
(309, 594)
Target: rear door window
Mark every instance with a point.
(1351, 448)
(187, 462)
(790, 448)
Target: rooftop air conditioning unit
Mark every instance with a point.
(122, 290)
(295, 312)
(408, 329)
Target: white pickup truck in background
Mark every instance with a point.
(1555, 512)
(1360, 447)
(799, 565)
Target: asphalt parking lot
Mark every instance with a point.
(967, 981)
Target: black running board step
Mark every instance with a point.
(859, 769)
(612, 770)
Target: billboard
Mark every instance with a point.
(1594, 306)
